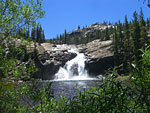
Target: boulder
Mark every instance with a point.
(50, 59)
(74, 69)
(99, 55)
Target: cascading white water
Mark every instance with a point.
(73, 69)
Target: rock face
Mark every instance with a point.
(100, 56)
(74, 69)
(90, 29)
(50, 58)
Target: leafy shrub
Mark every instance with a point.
(111, 96)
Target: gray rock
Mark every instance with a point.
(74, 69)
(99, 55)
(90, 29)
(49, 61)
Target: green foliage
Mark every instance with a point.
(77, 38)
(128, 39)
(111, 95)
(106, 34)
(16, 14)
(117, 96)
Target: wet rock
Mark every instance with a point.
(74, 69)
(50, 60)
(99, 55)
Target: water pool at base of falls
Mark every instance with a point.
(72, 76)
(68, 88)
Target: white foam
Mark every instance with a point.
(69, 73)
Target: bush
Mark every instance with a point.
(111, 96)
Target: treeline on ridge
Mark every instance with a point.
(36, 34)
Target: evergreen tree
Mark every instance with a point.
(57, 40)
(127, 46)
(76, 40)
(65, 37)
(143, 32)
(111, 30)
(43, 36)
(38, 34)
(116, 48)
(98, 34)
(20, 33)
(33, 34)
(109, 23)
(78, 27)
(148, 23)
(121, 41)
(24, 32)
(27, 34)
(136, 37)
(61, 39)
(105, 23)
(107, 34)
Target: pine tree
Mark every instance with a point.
(143, 32)
(33, 33)
(98, 34)
(57, 40)
(105, 23)
(76, 40)
(24, 33)
(61, 39)
(111, 30)
(78, 27)
(28, 32)
(65, 37)
(148, 23)
(107, 34)
(109, 23)
(43, 40)
(116, 48)
(127, 47)
(38, 34)
(136, 37)
(19, 33)
(121, 40)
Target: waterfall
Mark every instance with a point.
(73, 69)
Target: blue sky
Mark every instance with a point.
(68, 14)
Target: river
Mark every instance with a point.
(73, 76)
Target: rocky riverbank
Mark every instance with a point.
(51, 57)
